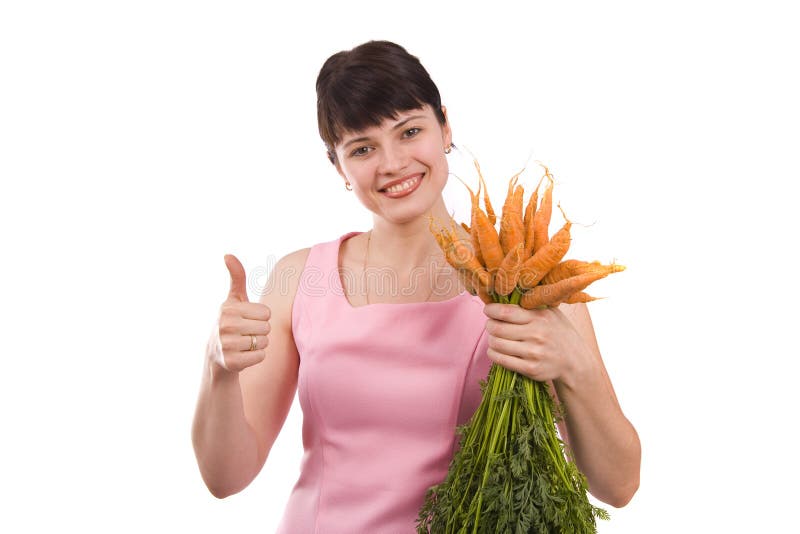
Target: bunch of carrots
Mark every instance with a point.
(512, 472)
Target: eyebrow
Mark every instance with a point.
(395, 127)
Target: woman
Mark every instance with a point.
(384, 375)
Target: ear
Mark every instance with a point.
(447, 134)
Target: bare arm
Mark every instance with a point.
(240, 413)
(605, 444)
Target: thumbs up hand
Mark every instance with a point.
(241, 336)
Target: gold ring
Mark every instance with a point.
(252, 342)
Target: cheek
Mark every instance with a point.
(439, 169)
(435, 159)
(357, 172)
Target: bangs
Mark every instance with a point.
(356, 104)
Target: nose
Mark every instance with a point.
(393, 159)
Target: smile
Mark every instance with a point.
(404, 188)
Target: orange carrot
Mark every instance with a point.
(511, 229)
(483, 293)
(438, 235)
(508, 273)
(568, 268)
(581, 297)
(489, 242)
(565, 269)
(489, 211)
(554, 294)
(517, 216)
(541, 219)
(527, 222)
(460, 255)
(475, 201)
(504, 224)
(545, 259)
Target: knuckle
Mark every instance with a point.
(226, 327)
(227, 317)
(227, 344)
(231, 361)
(492, 326)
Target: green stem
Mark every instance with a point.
(493, 388)
(500, 425)
(544, 410)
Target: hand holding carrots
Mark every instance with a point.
(540, 344)
(243, 326)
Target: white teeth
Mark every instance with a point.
(402, 186)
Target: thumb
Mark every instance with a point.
(238, 289)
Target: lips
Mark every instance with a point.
(409, 185)
(400, 181)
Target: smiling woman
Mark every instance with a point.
(383, 377)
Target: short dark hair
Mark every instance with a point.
(364, 86)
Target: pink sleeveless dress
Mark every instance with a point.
(382, 388)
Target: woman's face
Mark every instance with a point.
(398, 169)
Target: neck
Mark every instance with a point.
(407, 245)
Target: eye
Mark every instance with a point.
(360, 151)
(411, 132)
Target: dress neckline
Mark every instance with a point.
(342, 294)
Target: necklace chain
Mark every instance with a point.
(364, 271)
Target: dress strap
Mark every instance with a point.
(319, 290)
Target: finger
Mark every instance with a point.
(510, 313)
(512, 363)
(248, 310)
(238, 290)
(256, 310)
(261, 343)
(233, 343)
(233, 325)
(517, 349)
(249, 326)
(506, 330)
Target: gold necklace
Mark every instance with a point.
(364, 271)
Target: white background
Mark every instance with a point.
(142, 141)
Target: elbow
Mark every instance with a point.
(622, 492)
(222, 491)
(622, 495)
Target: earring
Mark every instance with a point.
(449, 148)
(348, 186)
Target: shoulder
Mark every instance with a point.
(282, 282)
(293, 262)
